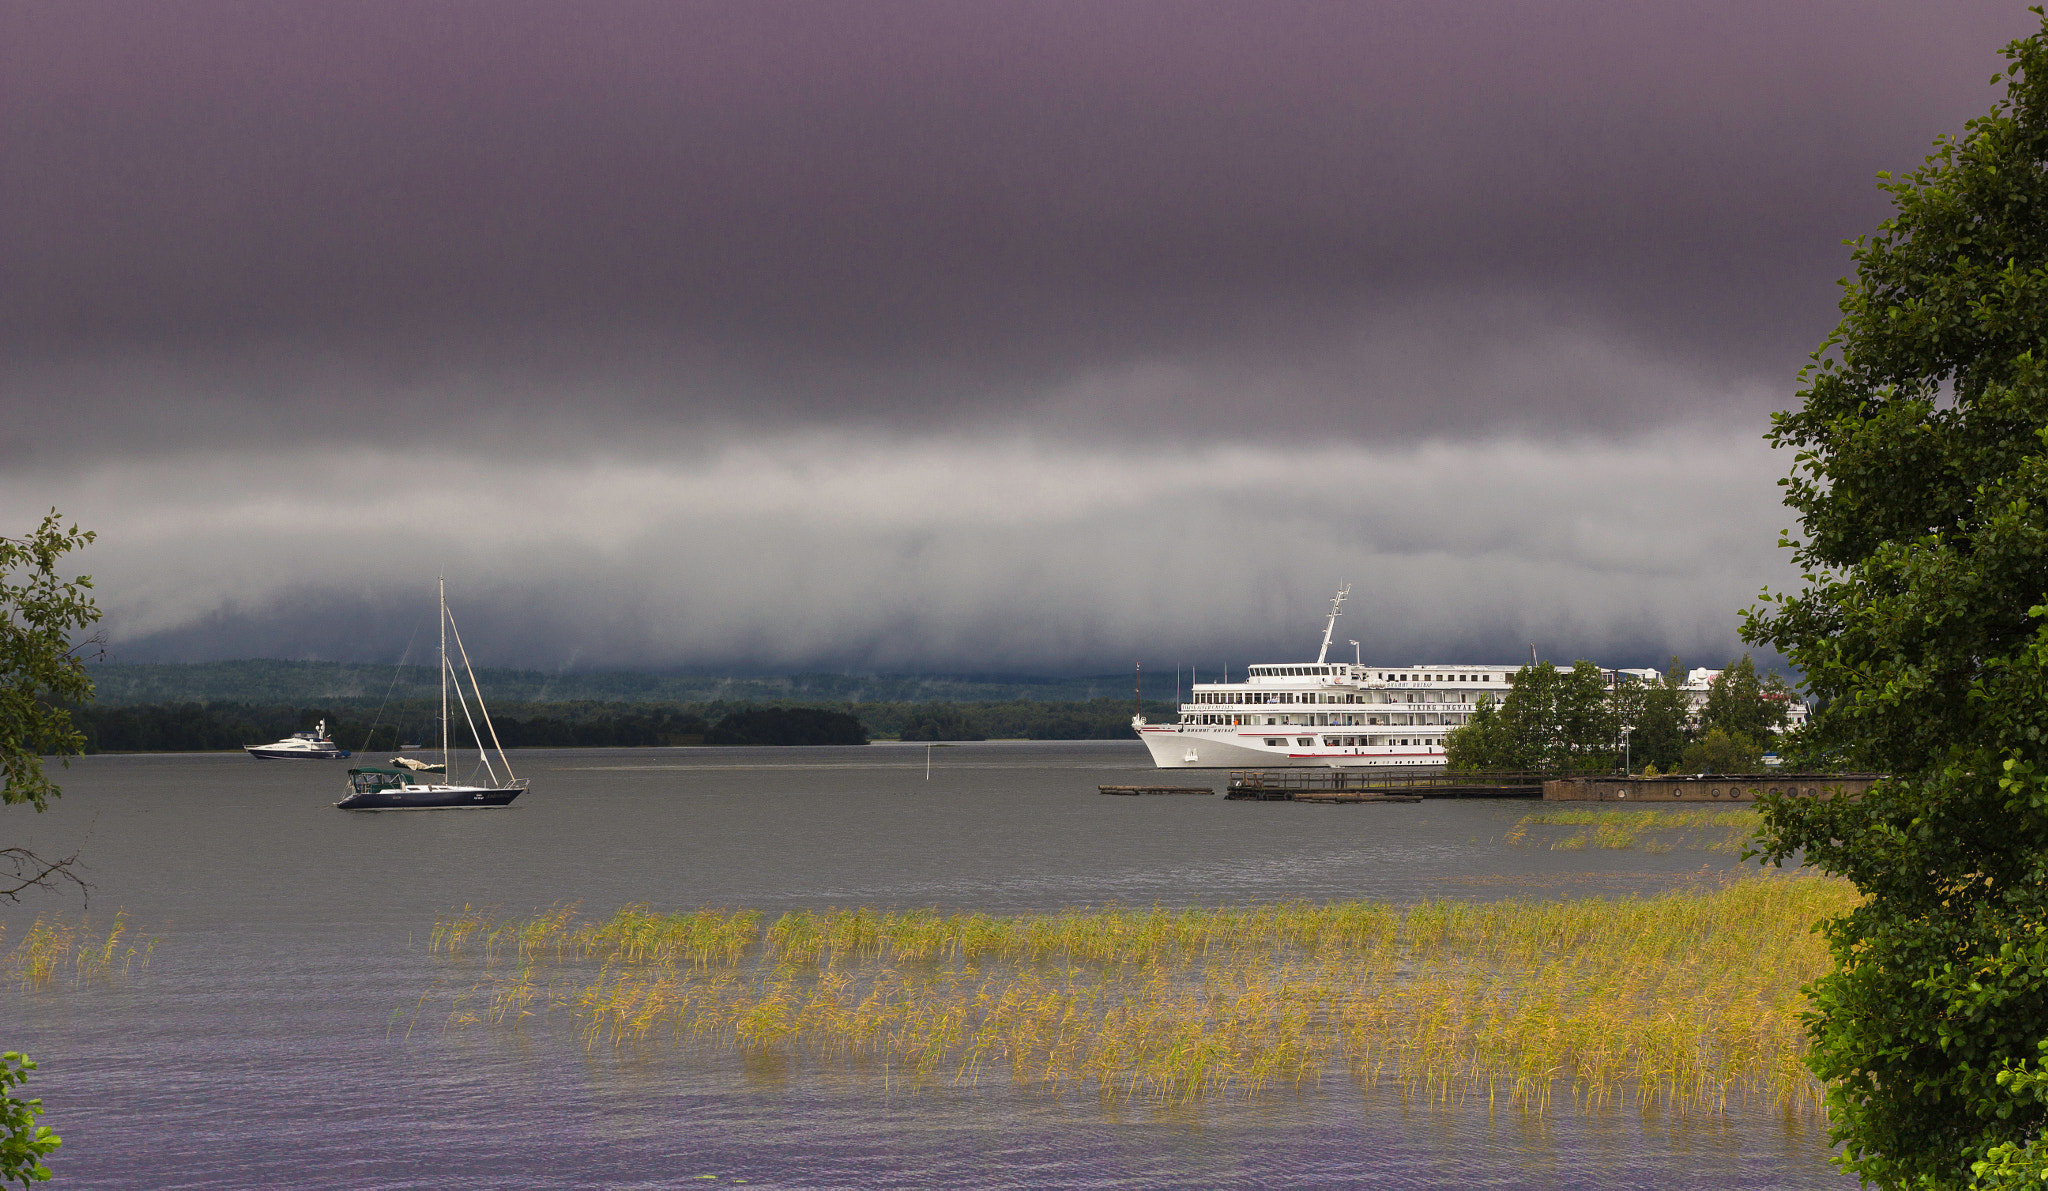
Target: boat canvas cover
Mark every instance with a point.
(369, 778)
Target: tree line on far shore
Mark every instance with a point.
(215, 727)
(1556, 720)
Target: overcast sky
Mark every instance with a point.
(968, 336)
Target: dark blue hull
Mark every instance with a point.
(425, 799)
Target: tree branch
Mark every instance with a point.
(26, 870)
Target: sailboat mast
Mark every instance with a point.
(445, 771)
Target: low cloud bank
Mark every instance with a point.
(951, 551)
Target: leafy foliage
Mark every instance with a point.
(1662, 723)
(39, 612)
(1482, 742)
(39, 667)
(1551, 720)
(1921, 487)
(1720, 752)
(1742, 704)
(23, 1143)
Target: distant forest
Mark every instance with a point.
(214, 726)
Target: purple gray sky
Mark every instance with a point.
(1037, 337)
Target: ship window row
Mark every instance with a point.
(1444, 719)
(1337, 742)
(1415, 677)
(1383, 675)
(1252, 697)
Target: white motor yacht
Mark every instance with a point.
(312, 746)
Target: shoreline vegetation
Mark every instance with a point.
(1687, 1002)
(226, 727)
(54, 945)
(1723, 830)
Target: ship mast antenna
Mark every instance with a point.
(1336, 610)
(447, 775)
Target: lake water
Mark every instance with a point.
(272, 1039)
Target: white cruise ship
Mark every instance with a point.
(1324, 713)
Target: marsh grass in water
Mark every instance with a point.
(1711, 828)
(1686, 1001)
(55, 950)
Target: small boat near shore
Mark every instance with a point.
(413, 785)
(299, 746)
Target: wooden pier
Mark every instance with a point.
(1137, 790)
(1354, 797)
(1369, 785)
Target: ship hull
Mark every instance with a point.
(1231, 748)
(428, 798)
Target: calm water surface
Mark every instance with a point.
(270, 1043)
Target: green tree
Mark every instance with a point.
(1529, 719)
(1551, 720)
(1742, 703)
(1663, 726)
(1719, 751)
(1920, 484)
(1588, 730)
(40, 667)
(1629, 696)
(1482, 742)
(23, 1143)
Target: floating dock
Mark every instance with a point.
(1137, 790)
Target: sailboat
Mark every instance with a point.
(412, 787)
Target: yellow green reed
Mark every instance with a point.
(54, 944)
(1686, 1001)
(1712, 828)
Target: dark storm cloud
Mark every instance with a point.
(1041, 336)
(229, 217)
(842, 550)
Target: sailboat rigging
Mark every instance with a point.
(408, 785)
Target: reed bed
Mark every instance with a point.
(1688, 1001)
(1710, 828)
(54, 946)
